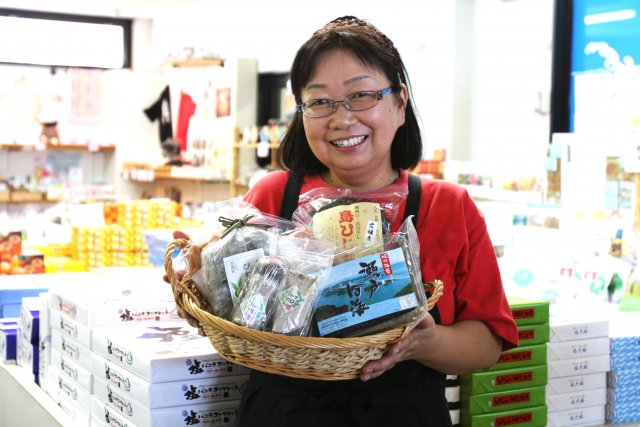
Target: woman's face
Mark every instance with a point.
(354, 145)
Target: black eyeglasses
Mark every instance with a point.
(357, 101)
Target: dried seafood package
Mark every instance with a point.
(309, 262)
(258, 297)
(350, 220)
(373, 292)
(225, 263)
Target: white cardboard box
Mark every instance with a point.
(30, 318)
(106, 304)
(174, 393)
(593, 415)
(572, 328)
(578, 366)
(187, 414)
(70, 328)
(80, 415)
(577, 348)
(104, 415)
(58, 382)
(71, 348)
(576, 383)
(579, 399)
(162, 352)
(79, 375)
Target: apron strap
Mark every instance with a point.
(291, 195)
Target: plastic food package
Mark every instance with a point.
(280, 293)
(374, 292)
(350, 220)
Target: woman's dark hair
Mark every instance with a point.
(374, 49)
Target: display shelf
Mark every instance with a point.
(58, 147)
(197, 62)
(139, 172)
(24, 403)
(235, 188)
(480, 192)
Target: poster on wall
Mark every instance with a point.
(223, 102)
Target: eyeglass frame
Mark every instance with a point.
(334, 104)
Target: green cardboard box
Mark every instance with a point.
(474, 404)
(535, 416)
(522, 356)
(526, 311)
(537, 333)
(503, 379)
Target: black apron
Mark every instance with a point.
(408, 395)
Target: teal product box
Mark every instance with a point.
(534, 416)
(622, 412)
(625, 360)
(474, 404)
(526, 311)
(522, 356)
(537, 333)
(502, 380)
(623, 378)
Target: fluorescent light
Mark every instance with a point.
(616, 15)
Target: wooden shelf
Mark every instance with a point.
(58, 147)
(197, 62)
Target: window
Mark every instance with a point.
(53, 39)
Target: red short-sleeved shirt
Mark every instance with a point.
(454, 247)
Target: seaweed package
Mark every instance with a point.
(258, 297)
(309, 261)
(374, 292)
(350, 220)
(227, 261)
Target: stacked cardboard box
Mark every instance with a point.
(623, 381)
(452, 393)
(163, 375)
(578, 358)
(8, 338)
(512, 392)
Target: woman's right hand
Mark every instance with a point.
(178, 276)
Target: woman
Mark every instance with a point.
(356, 129)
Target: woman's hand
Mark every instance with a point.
(410, 347)
(178, 275)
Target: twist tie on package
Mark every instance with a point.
(232, 224)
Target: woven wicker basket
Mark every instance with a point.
(292, 356)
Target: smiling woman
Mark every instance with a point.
(52, 39)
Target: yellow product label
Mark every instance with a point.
(349, 226)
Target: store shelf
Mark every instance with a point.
(235, 188)
(24, 403)
(479, 192)
(58, 147)
(197, 62)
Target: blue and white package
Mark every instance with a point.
(358, 293)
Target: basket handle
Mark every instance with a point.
(177, 283)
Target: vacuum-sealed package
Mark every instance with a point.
(280, 292)
(228, 257)
(373, 292)
(350, 220)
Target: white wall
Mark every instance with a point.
(477, 66)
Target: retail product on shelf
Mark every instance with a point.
(8, 338)
(623, 382)
(110, 377)
(162, 352)
(512, 392)
(578, 358)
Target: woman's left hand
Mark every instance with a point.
(410, 347)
